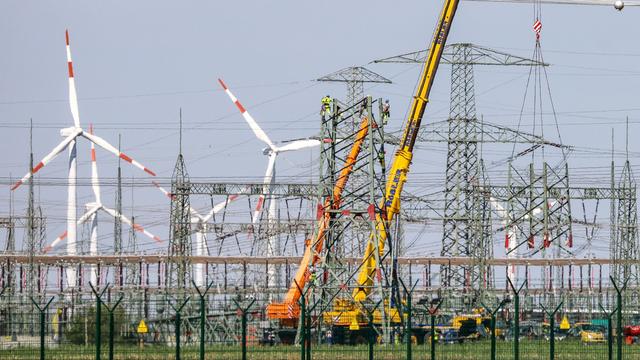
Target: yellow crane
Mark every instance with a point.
(346, 313)
(402, 158)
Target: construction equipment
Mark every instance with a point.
(346, 313)
(402, 158)
(289, 309)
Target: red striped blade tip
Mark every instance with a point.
(16, 185)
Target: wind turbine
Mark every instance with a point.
(269, 177)
(201, 225)
(70, 134)
(91, 213)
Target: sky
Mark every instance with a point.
(138, 63)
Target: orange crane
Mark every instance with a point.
(289, 308)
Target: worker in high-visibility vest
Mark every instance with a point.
(381, 154)
(386, 111)
(326, 106)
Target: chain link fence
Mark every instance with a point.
(516, 324)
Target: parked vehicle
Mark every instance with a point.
(558, 333)
(528, 330)
(593, 334)
(631, 334)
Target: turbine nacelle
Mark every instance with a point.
(91, 205)
(69, 131)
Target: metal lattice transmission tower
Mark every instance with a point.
(133, 270)
(355, 77)
(354, 108)
(117, 224)
(351, 215)
(34, 233)
(178, 272)
(463, 233)
(624, 244)
(540, 208)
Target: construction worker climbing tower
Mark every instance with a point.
(386, 109)
(326, 106)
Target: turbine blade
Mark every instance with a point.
(257, 130)
(94, 170)
(73, 96)
(55, 242)
(216, 209)
(164, 191)
(63, 236)
(105, 145)
(298, 145)
(173, 197)
(88, 214)
(57, 150)
(133, 225)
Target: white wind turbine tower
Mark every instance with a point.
(201, 224)
(91, 213)
(510, 240)
(273, 246)
(70, 134)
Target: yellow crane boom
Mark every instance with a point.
(402, 158)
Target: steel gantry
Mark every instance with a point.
(467, 214)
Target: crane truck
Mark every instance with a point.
(348, 313)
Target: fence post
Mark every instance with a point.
(609, 331)
(408, 327)
(372, 330)
(516, 327)
(308, 328)
(409, 320)
(43, 311)
(98, 334)
(619, 317)
(203, 311)
(177, 323)
(243, 313)
(303, 330)
(372, 336)
(303, 321)
(432, 314)
(493, 325)
(552, 321)
(112, 324)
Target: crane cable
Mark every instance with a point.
(538, 74)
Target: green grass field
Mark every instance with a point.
(529, 350)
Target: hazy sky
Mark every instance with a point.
(138, 62)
